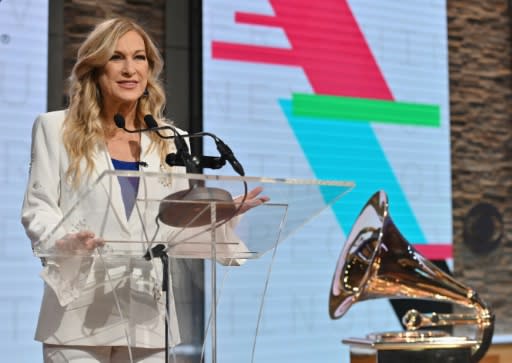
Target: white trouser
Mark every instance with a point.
(89, 354)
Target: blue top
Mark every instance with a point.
(129, 184)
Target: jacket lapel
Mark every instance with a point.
(152, 159)
(110, 184)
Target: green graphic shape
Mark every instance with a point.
(364, 109)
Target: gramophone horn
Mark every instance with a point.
(377, 262)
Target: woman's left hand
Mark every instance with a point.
(253, 199)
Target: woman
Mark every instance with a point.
(82, 317)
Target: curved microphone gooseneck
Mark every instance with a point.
(182, 151)
(224, 150)
(120, 123)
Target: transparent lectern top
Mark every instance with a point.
(192, 215)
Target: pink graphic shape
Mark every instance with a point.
(326, 42)
(434, 251)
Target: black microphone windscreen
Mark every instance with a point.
(119, 120)
(150, 121)
(228, 154)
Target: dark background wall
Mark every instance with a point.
(481, 128)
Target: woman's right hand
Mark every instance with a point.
(80, 241)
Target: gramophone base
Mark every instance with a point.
(452, 355)
(458, 355)
(411, 347)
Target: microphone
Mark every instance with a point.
(150, 121)
(120, 123)
(182, 150)
(226, 152)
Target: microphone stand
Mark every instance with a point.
(183, 157)
(159, 251)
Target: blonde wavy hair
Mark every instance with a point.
(83, 130)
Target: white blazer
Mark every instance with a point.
(79, 306)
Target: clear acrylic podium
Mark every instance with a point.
(190, 216)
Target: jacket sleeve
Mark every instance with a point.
(41, 212)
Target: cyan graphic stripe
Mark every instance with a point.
(317, 136)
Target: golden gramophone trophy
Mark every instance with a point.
(377, 262)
